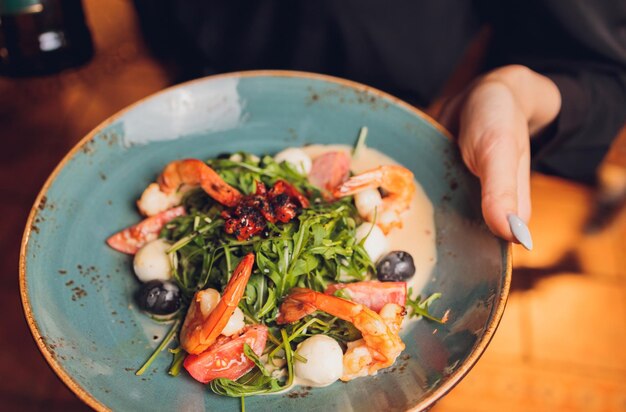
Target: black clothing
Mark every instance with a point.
(409, 48)
(581, 46)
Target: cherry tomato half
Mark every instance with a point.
(225, 359)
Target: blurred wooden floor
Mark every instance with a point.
(561, 345)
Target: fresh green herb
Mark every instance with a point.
(421, 307)
(311, 251)
(323, 323)
(177, 361)
(166, 340)
(314, 250)
(360, 141)
(256, 381)
(247, 350)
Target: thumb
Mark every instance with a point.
(494, 142)
(496, 165)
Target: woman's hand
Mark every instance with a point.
(494, 119)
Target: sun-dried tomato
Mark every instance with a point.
(250, 216)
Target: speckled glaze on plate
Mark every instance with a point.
(77, 292)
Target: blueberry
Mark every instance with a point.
(396, 266)
(158, 298)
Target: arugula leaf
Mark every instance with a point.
(360, 141)
(249, 353)
(420, 307)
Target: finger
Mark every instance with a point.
(523, 188)
(497, 167)
(494, 143)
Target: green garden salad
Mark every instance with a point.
(276, 270)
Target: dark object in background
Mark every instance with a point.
(39, 37)
(410, 48)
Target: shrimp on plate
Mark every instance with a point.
(195, 172)
(153, 201)
(208, 314)
(380, 345)
(133, 238)
(179, 176)
(398, 187)
(159, 201)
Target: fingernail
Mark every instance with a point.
(520, 231)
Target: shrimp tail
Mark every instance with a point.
(133, 238)
(397, 187)
(302, 302)
(371, 179)
(195, 172)
(292, 309)
(199, 340)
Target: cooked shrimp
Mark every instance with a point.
(380, 345)
(358, 359)
(195, 172)
(208, 314)
(131, 239)
(154, 201)
(397, 184)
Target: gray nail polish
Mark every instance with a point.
(520, 231)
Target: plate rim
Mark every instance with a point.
(432, 397)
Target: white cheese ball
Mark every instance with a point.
(324, 361)
(152, 263)
(235, 323)
(297, 158)
(376, 245)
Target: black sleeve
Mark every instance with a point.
(581, 46)
(593, 110)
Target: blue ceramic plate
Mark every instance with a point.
(76, 291)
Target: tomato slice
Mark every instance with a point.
(225, 359)
(373, 294)
(131, 239)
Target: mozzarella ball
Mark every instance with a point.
(376, 244)
(152, 263)
(295, 157)
(235, 323)
(324, 363)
